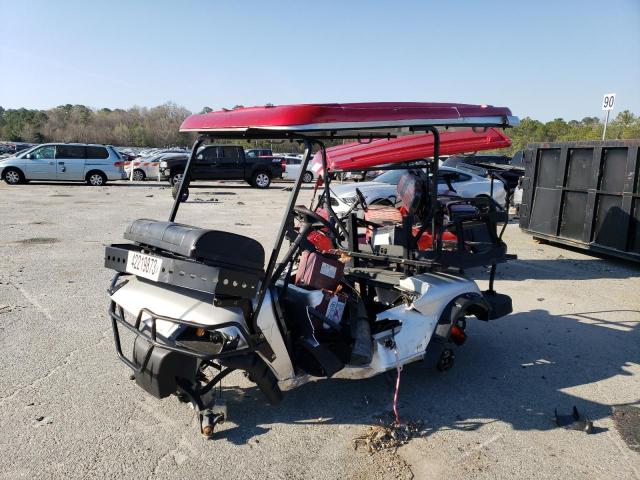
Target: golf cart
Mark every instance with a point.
(351, 297)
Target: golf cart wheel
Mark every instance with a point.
(307, 177)
(138, 175)
(208, 423)
(261, 180)
(174, 192)
(96, 179)
(13, 176)
(446, 360)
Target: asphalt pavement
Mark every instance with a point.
(68, 409)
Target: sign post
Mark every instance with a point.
(607, 104)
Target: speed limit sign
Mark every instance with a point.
(608, 100)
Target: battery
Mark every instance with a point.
(319, 271)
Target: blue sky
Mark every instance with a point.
(543, 59)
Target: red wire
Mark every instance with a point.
(395, 395)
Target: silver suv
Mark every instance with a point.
(67, 162)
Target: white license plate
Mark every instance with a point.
(144, 266)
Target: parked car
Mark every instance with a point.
(148, 167)
(93, 164)
(293, 167)
(226, 162)
(508, 168)
(382, 190)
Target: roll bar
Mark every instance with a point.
(308, 142)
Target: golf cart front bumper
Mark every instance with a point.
(162, 361)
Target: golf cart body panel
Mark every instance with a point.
(199, 310)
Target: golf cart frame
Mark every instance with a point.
(311, 125)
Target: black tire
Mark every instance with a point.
(261, 179)
(139, 175)
(174, 192)
(307, 177)
(13, 176)
(175, 177)
(96, 178)
(446, 360)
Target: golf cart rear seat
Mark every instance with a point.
(225, 264)
(213, 247)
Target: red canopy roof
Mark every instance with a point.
(332, 117)
(357, 156)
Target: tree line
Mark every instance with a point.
(158, 127)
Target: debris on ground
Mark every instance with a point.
(626, 418)
(386, 434)
(574, 421)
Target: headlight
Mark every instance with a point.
(163, 165)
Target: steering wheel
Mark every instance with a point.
(307, 216)
(362, 200)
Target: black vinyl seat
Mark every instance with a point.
(224, 249)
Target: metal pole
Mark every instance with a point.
(327, 193)
(606, 120)
(185, 177)
(286, 221)
(434, 185)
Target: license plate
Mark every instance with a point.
(144, 266)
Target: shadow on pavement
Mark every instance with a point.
(515, 370)
(561, 269)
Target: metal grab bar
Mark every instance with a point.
(116, 313)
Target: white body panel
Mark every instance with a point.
(281, 366)
(418, 320)
(198, 307)
(175, 302)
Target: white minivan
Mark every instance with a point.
(67, 162)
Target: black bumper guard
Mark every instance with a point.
(116, 313)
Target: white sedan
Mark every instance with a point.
(292, 170)
(382, 190)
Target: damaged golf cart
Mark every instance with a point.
(351, 297)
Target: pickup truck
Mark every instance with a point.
(226, 162)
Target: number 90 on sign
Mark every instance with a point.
(608, 100)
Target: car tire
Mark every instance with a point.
(139, 175)
(175, 178)
(261, 179)
(307, 177)
(96, 179)
(13, 176)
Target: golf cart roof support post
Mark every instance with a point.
(185, 177)
(434, 186)
(327, 192)
(266, 282)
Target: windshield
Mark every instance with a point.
(24, 152)
(392, 177)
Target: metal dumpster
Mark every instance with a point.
(584, 194)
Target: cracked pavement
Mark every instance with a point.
(68, 409)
